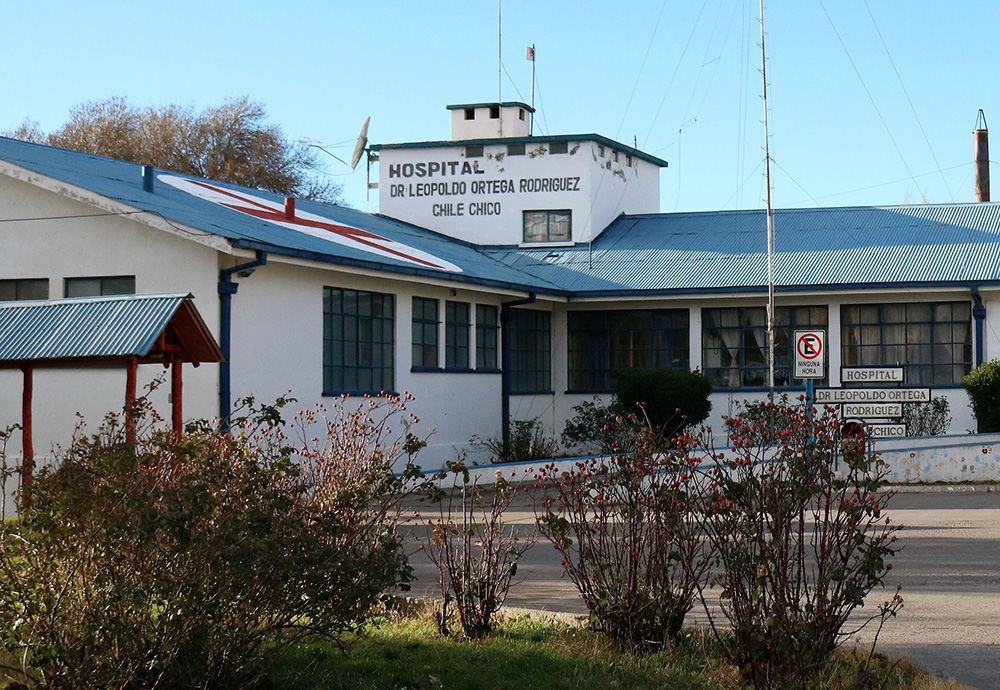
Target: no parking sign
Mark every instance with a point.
(809, 355)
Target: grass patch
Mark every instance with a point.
(532, 654)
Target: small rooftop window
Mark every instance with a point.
(494, 112)
(515, 149)
(473, 151)
(558, 147)
(470, 113)
(520, 113)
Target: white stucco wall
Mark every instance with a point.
(481, 200)
(64, 246)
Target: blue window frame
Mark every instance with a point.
(530, 357)
(734, 343)
(358, 339)
(932, 341)
(456, 335)
(99, 286)
(487, 338)
(425, 333)
(604, 343)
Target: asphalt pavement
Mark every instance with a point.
(949, 569)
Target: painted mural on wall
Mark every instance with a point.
(965, 458)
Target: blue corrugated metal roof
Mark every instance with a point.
(821, 248)
(86, 327)
(122, 182)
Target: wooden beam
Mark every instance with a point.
(27, 444)
(130, 390)
(176, 396)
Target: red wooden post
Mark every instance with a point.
(176, 395)
(130, 388)
(27, 445)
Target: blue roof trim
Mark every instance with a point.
(541, 139)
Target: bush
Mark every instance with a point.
(672, 399)
(927, 419)
(474, 549)
(187, 564)
(527, 442)
(620, 525)
(983, 386)
(800, 545)
(599, 428)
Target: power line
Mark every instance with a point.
(641, 67)
(908, 100)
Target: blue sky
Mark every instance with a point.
(871, 101)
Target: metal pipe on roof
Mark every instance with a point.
(979, 314)
(227, 288)
(981, 153)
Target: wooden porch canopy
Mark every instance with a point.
(125, 330)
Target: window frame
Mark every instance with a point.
(373, 332)
(529, 360)
(548, 222)
(787, 320)
(457, 335)
(424, 334)
(22, 285)
(487, 338)
(886, 334)
(105, 289)
(599, 339)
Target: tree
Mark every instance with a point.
(231, 142)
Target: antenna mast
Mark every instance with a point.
(500, 59)
(531, 56)
(770, 220)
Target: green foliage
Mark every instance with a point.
(800, 544)
(527, 441)
(187, 564)
(983, 387)
(927, 419)
(671, 399)
(619, 524)
(598, 428)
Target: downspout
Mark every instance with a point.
(979, 314)
(227, 288)
(505, 361)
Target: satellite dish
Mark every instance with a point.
(359, 148)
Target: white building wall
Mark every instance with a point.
(482, 199)
(70, 244)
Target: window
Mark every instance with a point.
(614, 156)
(628, 160)
(456, 335)
(103, 285)
(473, 151)
(358, 336)
(548, 226)
(487, 341)
(520, 114)
(470, 113)
(931, 341)
(600, 151)
(530, 356)
(604, 343)
(24, 289)
(734, 343)
(515, 149)
(494, 112)
(425, 333)
(558, 147)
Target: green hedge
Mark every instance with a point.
(983, 387)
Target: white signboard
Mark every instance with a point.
(809, 346)
(872, 395)
(871, 374)
(886, 430)
(872, 410)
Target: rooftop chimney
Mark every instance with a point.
(981, 151)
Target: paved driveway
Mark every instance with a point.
(949, 568)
